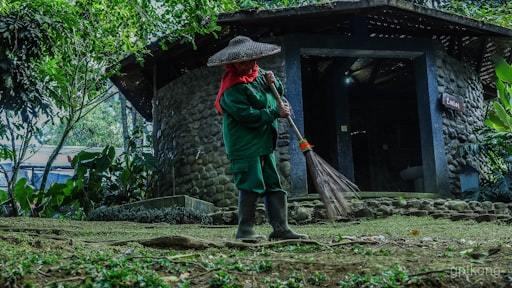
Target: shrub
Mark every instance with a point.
(177, 215)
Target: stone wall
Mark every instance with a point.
(313, 211)
(187, 132)
(459, 128)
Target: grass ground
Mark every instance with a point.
(403, 251)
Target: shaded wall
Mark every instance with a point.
(459, 128)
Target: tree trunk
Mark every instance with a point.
(124, 121)
(15, 171)
(11, 182)
(146, 132)
(54, 155)
(137, 123)
(14, 208)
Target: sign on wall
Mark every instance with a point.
(453, 102)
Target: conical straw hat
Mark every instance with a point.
(242, 48)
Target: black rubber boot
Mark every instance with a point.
(277, 212)
(247, 201)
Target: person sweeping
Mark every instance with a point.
(250, 113)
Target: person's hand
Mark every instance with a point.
(270, 77)
(284, 110)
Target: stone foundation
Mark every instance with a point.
(309, 212)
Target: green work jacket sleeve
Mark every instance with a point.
(250, 125)
(236, 103)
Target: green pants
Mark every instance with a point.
(258, 174)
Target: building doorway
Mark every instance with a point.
(362, 116)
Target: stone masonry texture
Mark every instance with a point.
(459, 128)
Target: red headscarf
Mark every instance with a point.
(232, 77)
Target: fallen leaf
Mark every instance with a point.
(171, 278)
(184, 276)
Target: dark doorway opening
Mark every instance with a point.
(362, 116)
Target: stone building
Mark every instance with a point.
(387, 91)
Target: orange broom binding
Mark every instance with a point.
(305, 146)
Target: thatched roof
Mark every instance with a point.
(473, 41)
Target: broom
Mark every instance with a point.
(334, 188)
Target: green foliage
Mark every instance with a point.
(24, 195)
(20, 264)
(499, 190)
(317, 278)
(500, 116)
(495, 12)
(17, 263)
(92, 166)
(176, 215)
(263, 266)
(223, 279)
(91, 170)
(495, 147)
(498, 143)
(5, 152)
(119, 272)
(262, 4)
(41, 203)
(26, 258)
(3, 196)
(109, 180)
(99, 178)
(392, 278)
(99, 128)
(132, 172)
(22, 34)
(495, 141)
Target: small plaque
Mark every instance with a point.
(453, 102)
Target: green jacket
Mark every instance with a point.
(250, 119)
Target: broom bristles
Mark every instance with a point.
(332, 186)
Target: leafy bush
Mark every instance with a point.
(131, 174)
(176, 215)
(499, 143)
(500, 117)
(495, 141)
(102, 179)
(33, 202)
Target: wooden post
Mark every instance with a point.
(435, 167)
(293, 93)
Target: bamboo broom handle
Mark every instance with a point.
(269, 76)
